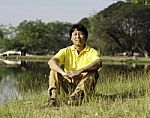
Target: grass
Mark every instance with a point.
(117, 96)
(100, 108)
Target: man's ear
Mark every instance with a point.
(71, 39)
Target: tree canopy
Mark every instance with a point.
(122, 27)
(36, 37)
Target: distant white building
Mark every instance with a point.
(9, 62)
(11, 52)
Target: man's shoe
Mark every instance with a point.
(51, 103)
(76, 98)
(72, 101)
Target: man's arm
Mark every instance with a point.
(94, 66)
(54, 65)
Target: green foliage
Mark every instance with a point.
(85, 22)
(37, 37)
(100, 23)
(122, 27)
(1, 34)
(58, 34)
(131, 31)
(29, 35)
(145, 2)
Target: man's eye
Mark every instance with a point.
(81, 33)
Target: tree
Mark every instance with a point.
(37, 37)
(58, 34)
(29, 35)
(126, 25)
(1, 34)
(6, 35)
(131, 32)
(99, 25)
(145, 2)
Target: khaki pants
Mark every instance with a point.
(86, 83)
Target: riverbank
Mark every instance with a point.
(28, 58)
(106, 59)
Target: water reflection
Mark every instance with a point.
(16, 80)
(9, 62)
(124, 67)
(110, 72)
(8, 89)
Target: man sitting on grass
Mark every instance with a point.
(80, 72)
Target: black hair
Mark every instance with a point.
(79, 27)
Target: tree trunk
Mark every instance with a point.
(144, 52)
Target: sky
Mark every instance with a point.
(13, 12)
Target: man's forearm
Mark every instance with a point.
(53, 64)
(92, 67)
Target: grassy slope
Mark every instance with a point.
(129, 108)
(121, 98)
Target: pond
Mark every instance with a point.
(19, 79)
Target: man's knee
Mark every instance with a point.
(94, 75)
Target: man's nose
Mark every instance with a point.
(78, 35)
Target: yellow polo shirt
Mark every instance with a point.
(72, 60)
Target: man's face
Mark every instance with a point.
(78, 38)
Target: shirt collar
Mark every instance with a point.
(85, 49)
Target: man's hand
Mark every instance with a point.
(74, 74)
(66, 76)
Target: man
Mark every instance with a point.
(80, 72)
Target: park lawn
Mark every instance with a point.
(123, 98)
(96, 108)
